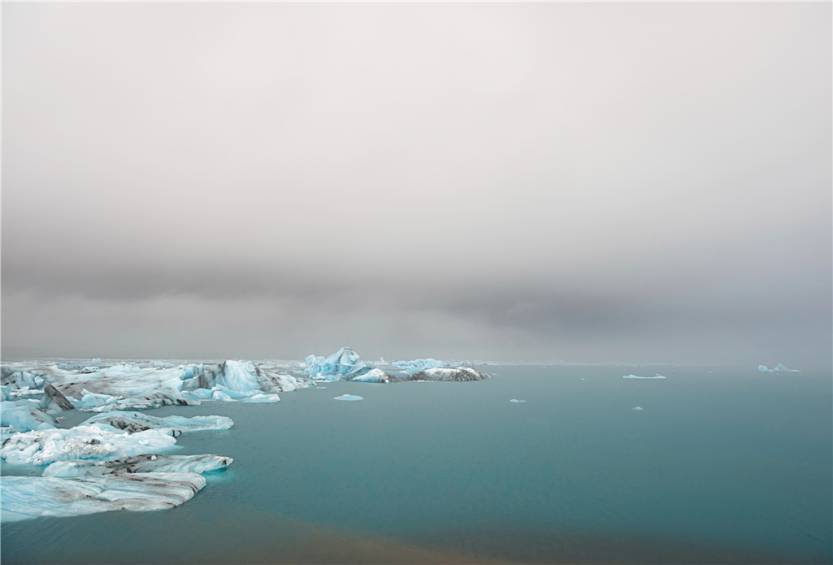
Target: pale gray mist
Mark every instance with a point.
(590, 182)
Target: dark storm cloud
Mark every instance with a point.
(573, 181)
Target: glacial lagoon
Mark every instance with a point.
(564, 463)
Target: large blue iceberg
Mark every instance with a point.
(344, 364)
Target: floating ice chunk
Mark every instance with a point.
(19, 378)
(343, 364)
(24, 416)
(517, 401)
(348, 397)
(240, 376)
(139, 464)
(372, 376)
(637, 408)
(779, 368)
(218, 394)
(237, 380)
(32, 497)
(82, 442)
(118, 387)
(274, 379)
(448, 374)
(261, 397)
(655, 377)
(132, 422)
(90, 400)
(416, 365)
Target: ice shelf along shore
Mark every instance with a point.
(118, 458)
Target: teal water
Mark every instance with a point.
(719, 466)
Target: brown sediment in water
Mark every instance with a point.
(227, 540)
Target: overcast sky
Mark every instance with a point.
(589, 182)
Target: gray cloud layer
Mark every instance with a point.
(576, 181)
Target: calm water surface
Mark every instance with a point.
(718, 466)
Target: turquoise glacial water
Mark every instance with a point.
(719, 466)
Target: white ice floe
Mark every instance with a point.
(137, 422)
(82, 442)
(139, 464)
(655, 377)
(348, 397)
(416, 365)
(779, 368)
(517, 401)
(449, 374)
(637, 408)
(27, 497)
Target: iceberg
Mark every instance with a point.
(417, 365)
(779, 368)
(237, 380)
(458, 374)
(24, 416)
(140, 464)
(82, 442)
(122, 386)
(25, 497)
(348, 397)
(16, 379)
(133, 422)
(655, 377)
(372, 376)
(344, 364)
(53, 400)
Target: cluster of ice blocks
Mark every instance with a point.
(118, 459)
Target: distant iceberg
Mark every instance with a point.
(459, 374)
(655, 377)
(344, 364)
(372, 376)
(416, 365)
(779, 368)
(517, 401)
(348, 397)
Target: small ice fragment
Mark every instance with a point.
(638, 408)
(657, 376)
(348, 397)
(779, 368)
(517, 401)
